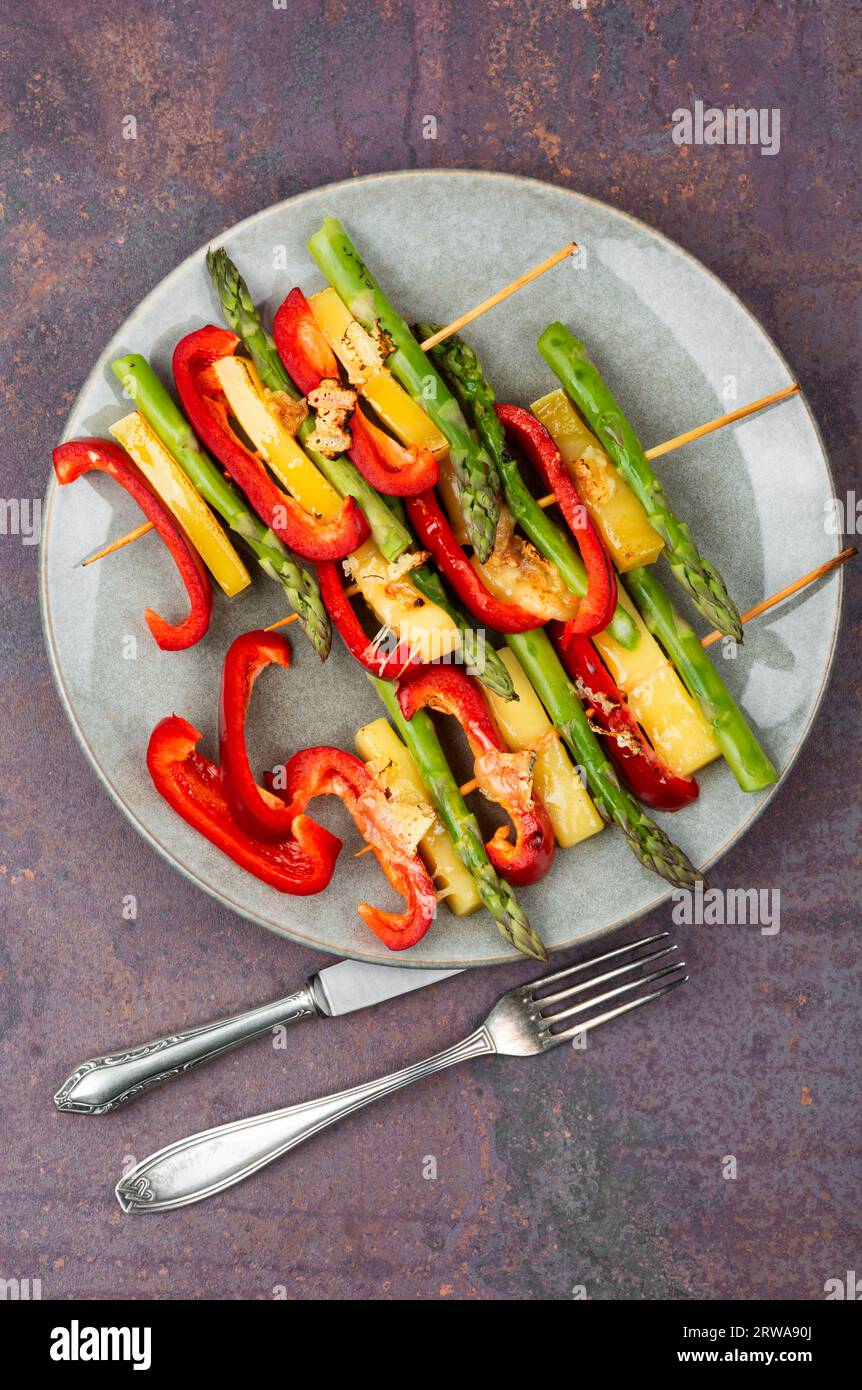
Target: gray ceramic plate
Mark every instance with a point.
(676, 346)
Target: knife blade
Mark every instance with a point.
(102, 1084)
(353, 984)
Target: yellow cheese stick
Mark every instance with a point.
(524, 724)
(658, 699)
(378, 743)
(368, 374)
(249, 405)
(182, 499)
(628, 534)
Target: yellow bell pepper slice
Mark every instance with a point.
(619, 516)
(368, 374)
(247, 398)
(524, 724)
(182, 499)
(657, 698)
(378, 743)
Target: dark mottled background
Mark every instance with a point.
(600, 1169)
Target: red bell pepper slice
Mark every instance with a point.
(436, 535)
(527, 435)
(84, 455)
(206, 406)
(258, 811)
(191, 784)
(452, 691)
(387, 465)
(301, 344)
(332, 772)
(386, 666)
(640, 767)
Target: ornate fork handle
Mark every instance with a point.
(207, 1163)
(102, 1084)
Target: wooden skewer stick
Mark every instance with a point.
(711, 425)
(787, 592)
(293, 617)
(763, 607)
(141, 530)
(457, 324)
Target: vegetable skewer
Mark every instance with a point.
(462, 370)
(143, 387)
(648, 842)
(420, 737)
(568, 359)
(701, 431)
(341, 264)
(242, 315)
(549, 500)
(749, 763)
(759, 608)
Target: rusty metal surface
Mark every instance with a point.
(604, 1170)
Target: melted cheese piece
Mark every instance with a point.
(396, 815)
(426, 629)
(366, 369)
(506, 778)
(517, 573)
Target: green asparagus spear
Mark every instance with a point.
(462, 370)
(391, 536)
(341, 264)
(241, 313)
(499, 898)
(652, 847)
(143, 387)
(746, 758)
(568, 359)
(480, 657)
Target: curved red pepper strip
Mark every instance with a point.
(452, 691)
(259, 812)
(191, 784)
(641, 768)
(528, 436)
(385, 666)
(206, 406)
(436, 535)
(302, 345)
(387, 465)
(332, 772)
(383, 462)
(82, 456)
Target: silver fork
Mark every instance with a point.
(519, 1025)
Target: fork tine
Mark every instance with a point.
(594, 960)
(608, 975)
(612, 993)
(552, 1039)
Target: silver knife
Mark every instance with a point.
(102, 1084)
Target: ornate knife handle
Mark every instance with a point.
(103, 1084)
(203, 1164)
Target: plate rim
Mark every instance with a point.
(169, 855)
